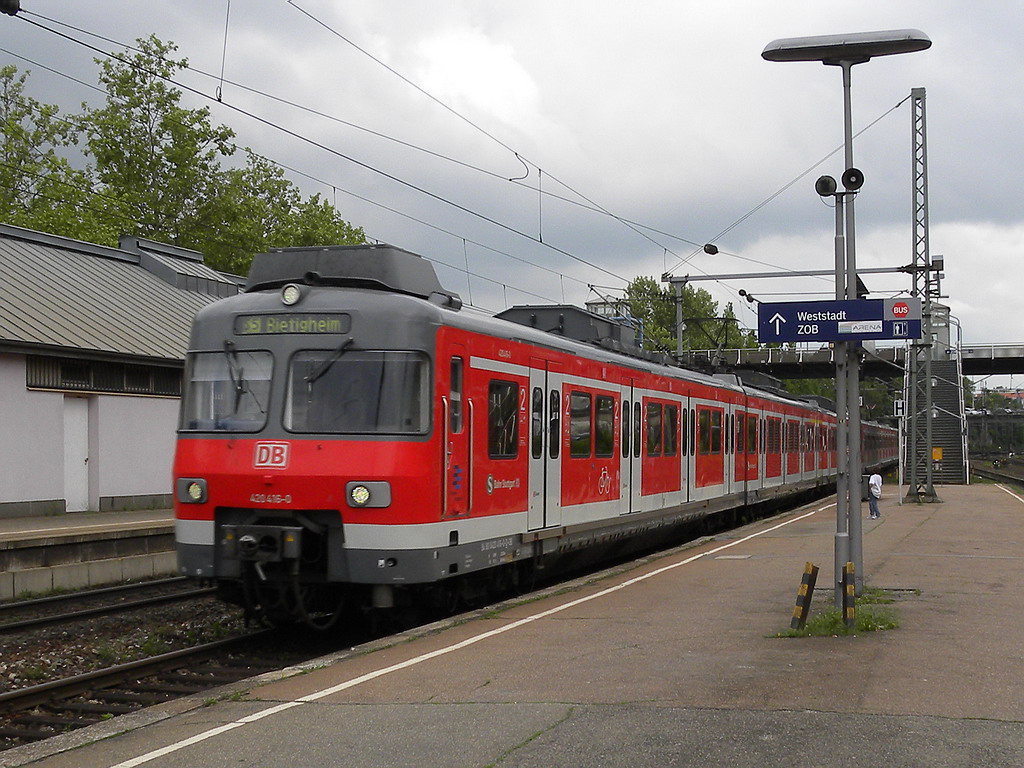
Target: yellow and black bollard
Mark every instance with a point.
(803, 596)
(849, 596)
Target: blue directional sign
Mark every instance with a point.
(860, 320)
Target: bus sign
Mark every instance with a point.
(859, 320)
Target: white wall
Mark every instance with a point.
(31, 437)
(131, 442)
(134, 444)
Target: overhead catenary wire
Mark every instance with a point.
(540, 191)
(131, 218)
(518, 180)
(455, 267)
(353, 160)
(469, 122)
(299, 172)
(790, 183)
(224, 51)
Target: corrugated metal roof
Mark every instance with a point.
(56, 292)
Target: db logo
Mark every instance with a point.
(271, 455)
(900, 309)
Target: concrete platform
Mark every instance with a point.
(72, 551)
(674, 662)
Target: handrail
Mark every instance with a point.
(469, 457)
(445, 454)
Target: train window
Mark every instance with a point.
(537, 424)
(704, 429)
(775, 435)
(716, 432)
(792, 437)
(554, 422)
(752, 434)
(580, 406)
(226, 391)
(693, 431)
(502, 419)
(654, 429)
(381, 392)
(455, 397)
(741, 430)
(636, 429)
(604, 427)
(625, 429)
(671, 429)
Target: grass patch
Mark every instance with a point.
(871, 617)
(876, 596)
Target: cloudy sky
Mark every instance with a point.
(660, 113)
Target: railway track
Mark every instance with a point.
(41, 711)
(22, 615)
(1003, 477)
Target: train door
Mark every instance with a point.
(630, 446)
(739, 454)
(686, 445)
(754, 460)
(545, 474)
(458, 438)
(728, 448)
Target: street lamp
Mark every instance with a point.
(845, 51)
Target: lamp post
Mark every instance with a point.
(845, 51)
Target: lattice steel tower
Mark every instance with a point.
(926, 287)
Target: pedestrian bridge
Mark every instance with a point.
(883, 362)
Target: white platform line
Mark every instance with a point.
(1007, 490)
(356, 681)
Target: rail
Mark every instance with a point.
(175, 596)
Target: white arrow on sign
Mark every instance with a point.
(777, 319)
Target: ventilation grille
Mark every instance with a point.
(69, 374)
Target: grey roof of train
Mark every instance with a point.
(65, 296)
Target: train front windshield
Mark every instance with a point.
(358, 392)
(226, 391)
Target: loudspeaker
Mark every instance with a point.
(853, 179)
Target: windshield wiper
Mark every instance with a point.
(234, 372)
(330, 360)
(237, 375)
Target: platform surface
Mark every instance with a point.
(674, 662)
(77, 524)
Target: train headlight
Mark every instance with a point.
(359, 495)
(291, 294)
(372, 494)
(191, 490)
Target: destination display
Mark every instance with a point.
(314, 323)
(860, 320)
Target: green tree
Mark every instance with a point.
(39, 188)
(706, 326)
(162, 167)
(258, 208)
(157, 163)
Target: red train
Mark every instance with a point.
(349, 432)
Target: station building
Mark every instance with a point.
(92, 346)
